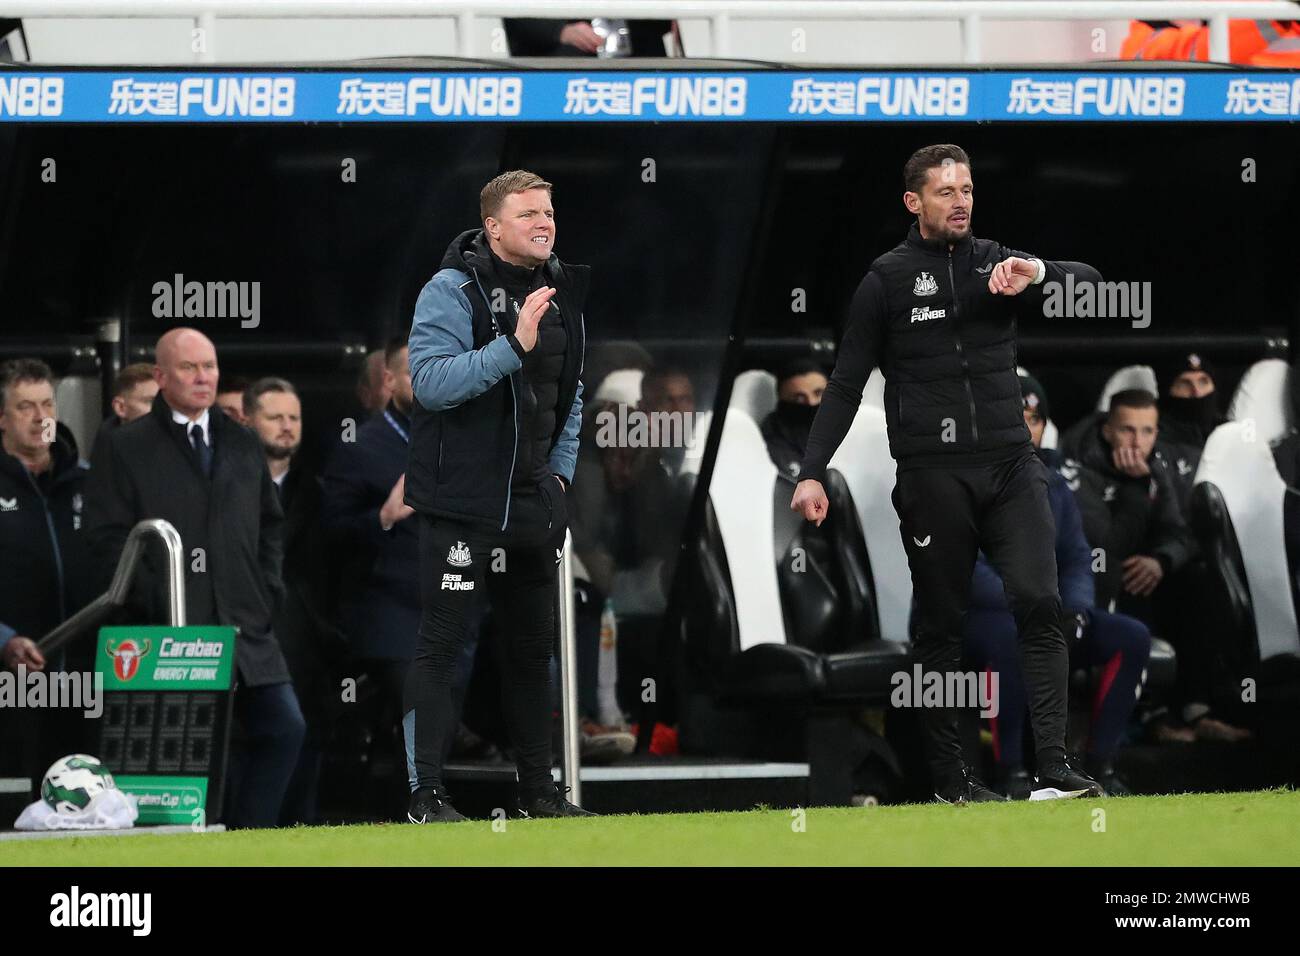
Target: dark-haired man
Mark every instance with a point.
(302, 622)
(230, 398)
(1189, 410)
(938, 314)
(133, 393)
(373, 388)
(1128, 500)
(377, 539)
(46, 573)
(44, 558)
(1127, 491)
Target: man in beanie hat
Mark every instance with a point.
(1035, 399)
(799, 387)
(1189, 408)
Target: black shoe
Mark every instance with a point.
(1016, 784)
(1061, 781)
(432, 805)
(968, 789)
(549, 803)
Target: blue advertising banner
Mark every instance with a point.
(286, 96)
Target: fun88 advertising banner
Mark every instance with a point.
(786, 96)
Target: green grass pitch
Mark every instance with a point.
(1194, 830)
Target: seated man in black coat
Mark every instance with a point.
(188, 463)
(799, 388)
(1127, 493)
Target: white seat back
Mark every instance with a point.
(873, 396)
(1241, 466)
(864, 460)
(754, 393)
(741, 493)
(1130, 376)
(1263, 400)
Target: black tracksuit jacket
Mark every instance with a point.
(45, 563)
(947, 348)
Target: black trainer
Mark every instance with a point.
(432, 805)
(1061, 781)
(968, 789)
(549, 802)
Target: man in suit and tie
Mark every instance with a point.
(203, 472)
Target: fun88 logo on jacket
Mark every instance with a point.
(31, 96)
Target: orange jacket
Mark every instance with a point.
(1246, 40)
(1280, 54)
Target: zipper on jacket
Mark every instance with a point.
(514, 398)
(54, 542)
(965, 369)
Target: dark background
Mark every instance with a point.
(737, 217)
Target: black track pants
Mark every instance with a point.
(516, 569)
(947, 516)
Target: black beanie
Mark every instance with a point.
(1184, 362)
(803, 365)
(1031, 391)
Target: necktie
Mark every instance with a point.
(202, 449)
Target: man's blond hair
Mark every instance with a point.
(494, 193)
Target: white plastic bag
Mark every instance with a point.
(107, 810)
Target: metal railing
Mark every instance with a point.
(970, 14)
(571, 755)
(99, 609)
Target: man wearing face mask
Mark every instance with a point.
(1189, 411)
(799, 388)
